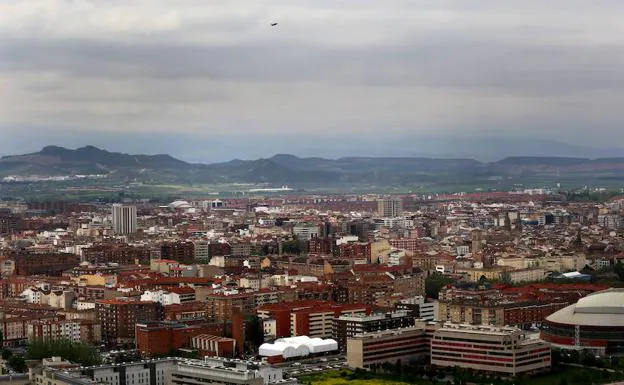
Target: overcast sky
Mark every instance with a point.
(196, 75)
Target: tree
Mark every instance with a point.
(399, 367)
(292, 247)
(254, 332)
(619, 270)
(588, 359)
(386, 367)
(81, 353)
(18, 363)
(434, 283)
(6, 354)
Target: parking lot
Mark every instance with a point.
(314, 366)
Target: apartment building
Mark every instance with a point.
(72, 330)
(240, 249)
(124, 219)
(347, 326)
(318, 322)
(221, 306)
(118, 318)
(51, 264)
(183, 252)
(173, 296)
(201, 249)
(525, 275)
(120, 253)
(390, 207)
(419, 308)
(305, 318)
(306, 231)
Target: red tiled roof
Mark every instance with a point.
(182, 290)
(123, 302)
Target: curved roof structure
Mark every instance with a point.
(179, 204)
(299, 346)
(605, 308)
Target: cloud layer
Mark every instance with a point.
(208, 68)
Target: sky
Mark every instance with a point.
(213, 80)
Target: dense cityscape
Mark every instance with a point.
(311, 192)
(479, 288)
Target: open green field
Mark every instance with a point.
(339, 377)
(107, 189)
(561, 376)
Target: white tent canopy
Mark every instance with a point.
(299, 346)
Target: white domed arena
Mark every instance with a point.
(595, 322)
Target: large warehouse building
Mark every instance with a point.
(595, 322)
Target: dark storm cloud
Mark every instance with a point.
(551, 69)
(458, 63)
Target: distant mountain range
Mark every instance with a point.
(290, 169)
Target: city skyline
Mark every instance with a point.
(209, 75)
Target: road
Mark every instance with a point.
(14, 379)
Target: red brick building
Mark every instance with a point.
(320, 245)
(411, 244)
(355, 250)
(186, 312)
(51, 264)
(118, 318)
(13, 286)
(120, 253)
(183, 252)
(159, 338)
(310, 318)
(214, 346)
(219, 249)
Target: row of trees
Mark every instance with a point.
(17, 362)
(78, 352)
(586, 358)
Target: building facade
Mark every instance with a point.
(118, 318)
(72, 330)
(390, 207)
(390, 346)
(347, 326)
(124, 219)
(502, 350)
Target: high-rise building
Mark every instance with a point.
(124, 219)
(390, 207)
